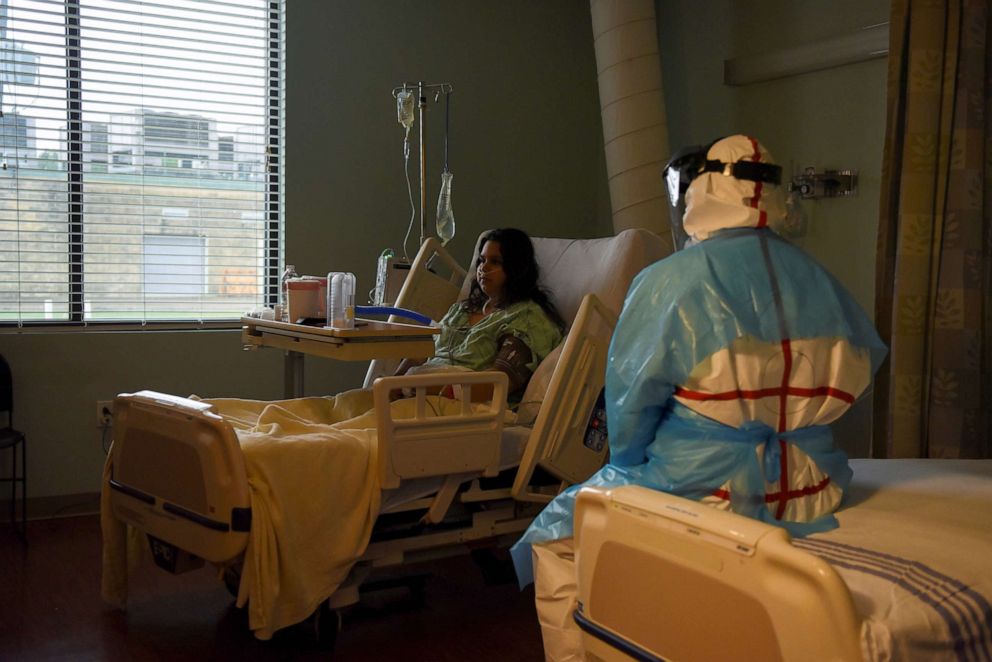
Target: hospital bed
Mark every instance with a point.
(177, 473)
(906, 576)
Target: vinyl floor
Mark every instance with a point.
(50, 609)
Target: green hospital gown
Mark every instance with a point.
(475, 347)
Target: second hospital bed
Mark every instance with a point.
(177, 473)
(906, 576)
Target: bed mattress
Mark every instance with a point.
(915, 548)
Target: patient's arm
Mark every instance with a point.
(406, 364)
(512, 358)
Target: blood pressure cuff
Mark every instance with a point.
(512, 358)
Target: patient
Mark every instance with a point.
(728, 361)
(506, 323)
(311, 462)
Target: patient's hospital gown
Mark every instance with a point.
(475, 347)
(727, 363)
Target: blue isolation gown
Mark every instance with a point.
(678, 312)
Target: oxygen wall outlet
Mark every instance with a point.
(104, 413)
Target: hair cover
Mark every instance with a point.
(715, 201)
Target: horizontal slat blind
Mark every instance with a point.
(141, 172)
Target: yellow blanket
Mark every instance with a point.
(314, 498)
(312, 470)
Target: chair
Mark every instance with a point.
(12, 438)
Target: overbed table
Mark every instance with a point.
(369, 340)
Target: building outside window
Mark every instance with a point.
(141, 160)
(174, 266)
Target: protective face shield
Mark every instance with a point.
(722, 185)
(679, 172)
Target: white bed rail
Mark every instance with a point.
(561, 443)
(430, 445)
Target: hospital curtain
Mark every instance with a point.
(932, 398)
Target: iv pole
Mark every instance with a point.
(422, 106)
(422, 88)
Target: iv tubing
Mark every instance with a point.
(447, 123)
(409, 193)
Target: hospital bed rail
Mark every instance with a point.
(439, 445)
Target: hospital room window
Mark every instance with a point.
(140, 160)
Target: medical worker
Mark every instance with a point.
(729, 360)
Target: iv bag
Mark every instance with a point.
(404, 108)
(445, 214)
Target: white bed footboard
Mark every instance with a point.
(439, 445)
(179, 475)
(662, 577)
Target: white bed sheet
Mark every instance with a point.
(915, 547)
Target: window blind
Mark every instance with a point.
(140, 173)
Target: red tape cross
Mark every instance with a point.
(757, 394)
(782, 392)
(762, 214)
(780, 496)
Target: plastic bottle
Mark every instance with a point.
(378, 296)
(445, 214)
(283, 308)
(341, 300)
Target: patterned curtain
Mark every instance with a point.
(933, 308)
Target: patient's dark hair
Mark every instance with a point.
(522, 274)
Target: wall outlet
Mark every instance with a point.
(104, 413)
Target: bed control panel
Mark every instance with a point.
(596, 435)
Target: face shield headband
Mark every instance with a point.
(690, 162)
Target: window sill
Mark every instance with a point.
(128, 327)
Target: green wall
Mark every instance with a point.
(525, 142)
(525, 148)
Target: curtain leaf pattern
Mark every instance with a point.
(933, 269)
